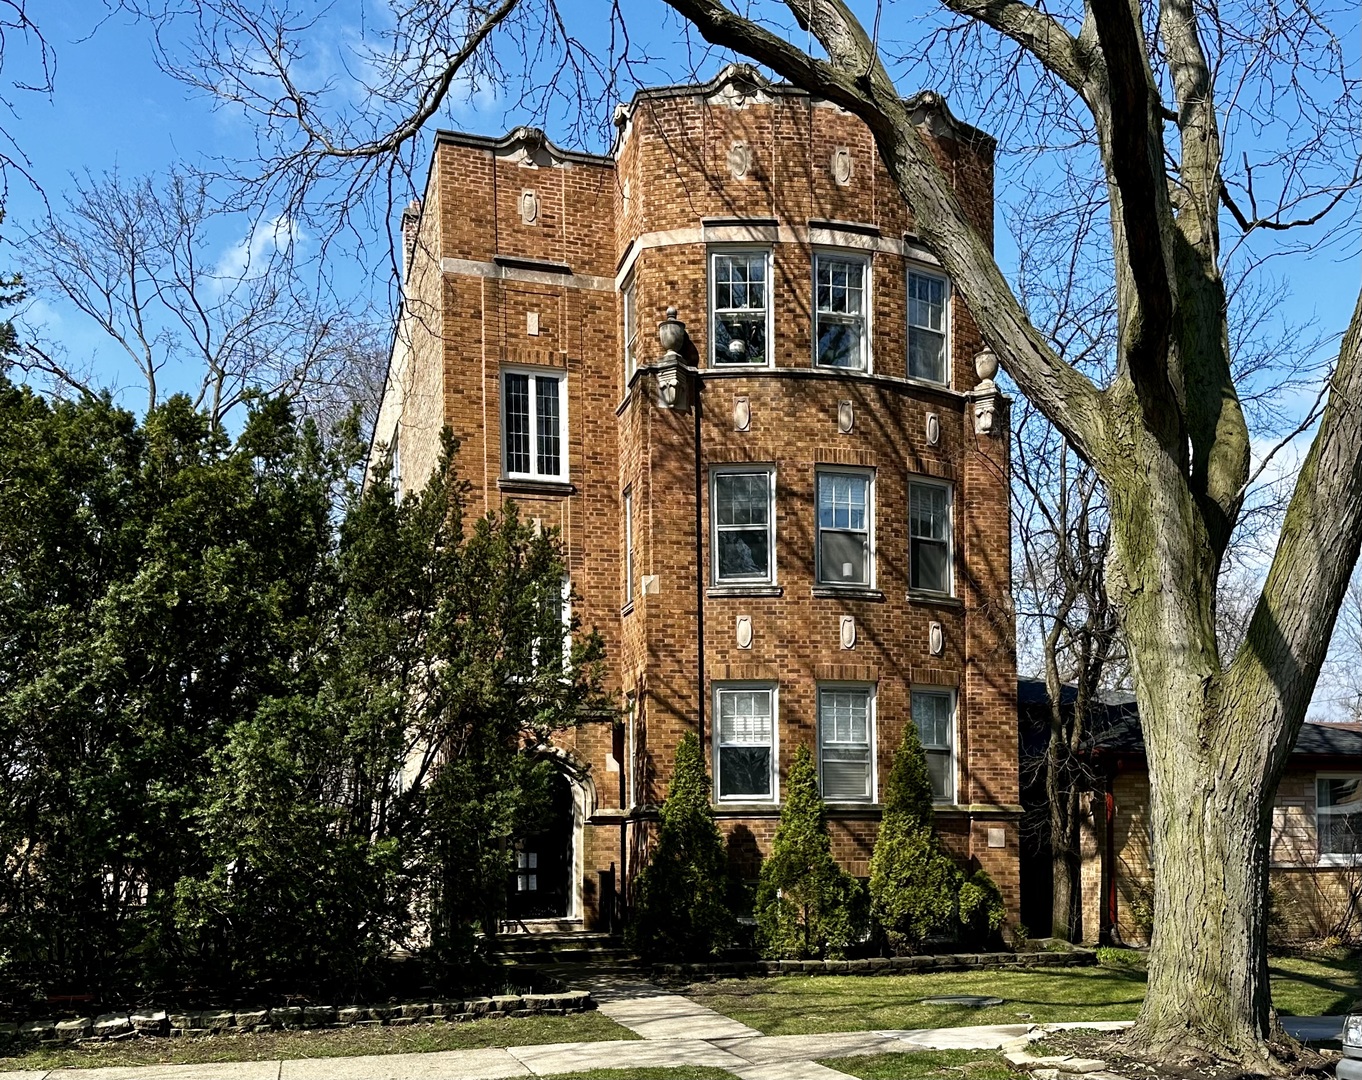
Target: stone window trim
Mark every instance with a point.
(859, 320)
(830, 746)
(536, 432)
(717, 579)
(720, 742)
(917, 541)
(1336, 857)
(922, 271)
(760, 317)
(824, 578)
(944, 752)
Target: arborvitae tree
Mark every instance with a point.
(982, 910)
(914, 884)
(807, 905)
(680, 909)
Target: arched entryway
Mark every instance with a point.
(544, 879)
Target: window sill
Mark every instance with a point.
(848, 592)
(719, 591)
(770, 806)
(921, 596)
(525, 485)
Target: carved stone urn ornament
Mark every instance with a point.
(672, 387)
(671, 335)
(986, 394)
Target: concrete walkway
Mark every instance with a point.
(674, 1031)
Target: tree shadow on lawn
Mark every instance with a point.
(1347, 988)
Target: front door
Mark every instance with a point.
(539, 884)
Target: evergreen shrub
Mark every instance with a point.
(681, 910)
(914, 884)
(807, 905)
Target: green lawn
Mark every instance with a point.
(337, 1042)
(799, 1005)
(927, 1065)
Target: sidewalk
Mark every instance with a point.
(674, 1031)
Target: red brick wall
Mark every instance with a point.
(672, 163)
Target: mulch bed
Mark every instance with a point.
(1114, 1049)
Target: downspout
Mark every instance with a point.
(699, 571)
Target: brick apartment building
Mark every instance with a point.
(721, 364)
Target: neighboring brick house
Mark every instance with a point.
(785, 508)
(1315, 873)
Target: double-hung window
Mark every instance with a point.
(743, 537)
(846, 554)
(551, 646)
(845, 737)
(934, 715)
(534, 425)
(628, 546)
(929, 537)
(745, 743)
(630, 305)
(740, 306)
(840, 312)
(1338, 818)
(927, 299)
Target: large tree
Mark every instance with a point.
(1168, 438)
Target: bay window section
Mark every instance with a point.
(927, 294)
(929, 537)
(845, 738)
(743, 535)
(845, 542)
(840, 312)
(1338, 818)
(739, 307)
(744, 743)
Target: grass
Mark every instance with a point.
(794, 1005)
(334, 1042)
(926, 1065)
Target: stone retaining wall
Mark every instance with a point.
(883, 965)
(161, 1022)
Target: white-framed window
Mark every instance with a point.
(929, 537)
(928, 318)
(845, 527)
(1338, 817)
(743, 531)
(745, 742)
(396, 474)
(934, 715)
(630, 305)
(555, 624)
(740, 307)
(841, 290)
(534, 424)
(628, 546)
(846, 742)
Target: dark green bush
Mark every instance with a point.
(681, 910)
(914, 883)
(807, 905)
(982, 910)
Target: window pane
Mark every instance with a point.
(939, 767)
(517, 423)
(744, 553)
(843, 558)
(932, 715)
(742, 498)
(844, 717)
(842, 501)
(740, 339)
(740, 308)
(926, 302)
(1338, 810)
(930, 569)
(745, 717)
(745, 770)
(928, 512)
(839, 344)
(547, 426)
(846, 775)
(926, 355)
